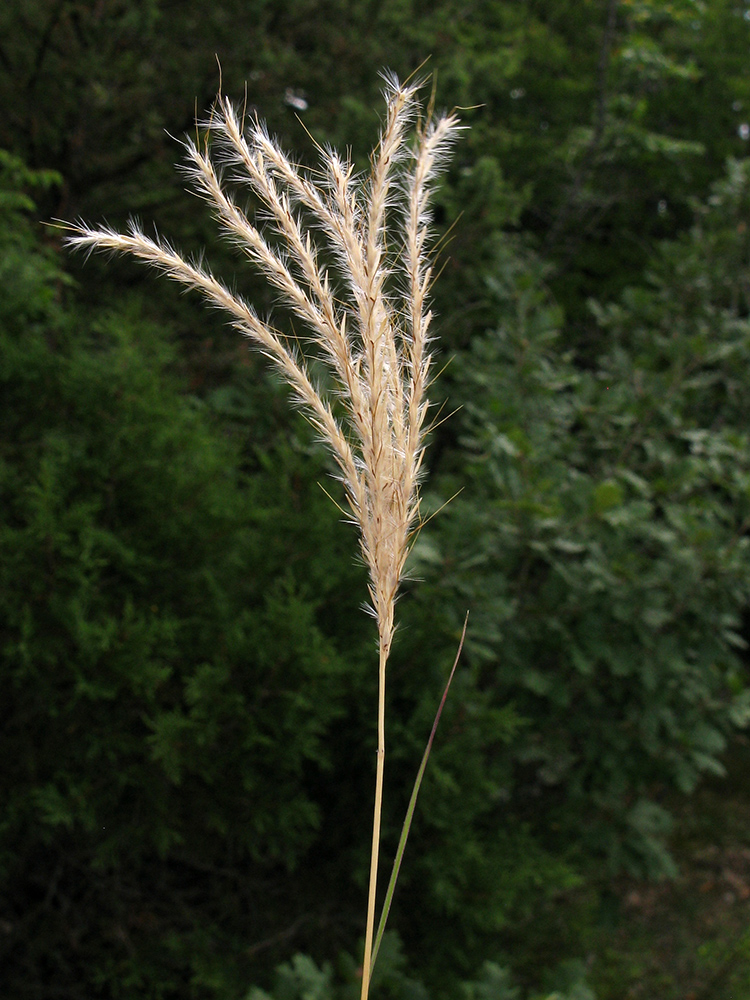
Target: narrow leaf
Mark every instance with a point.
(412, 803)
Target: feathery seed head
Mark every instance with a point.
(375, 342)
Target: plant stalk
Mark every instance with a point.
(376, 822)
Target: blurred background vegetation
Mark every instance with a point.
(188, 683)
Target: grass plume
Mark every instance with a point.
(368, 320)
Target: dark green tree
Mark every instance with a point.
(602, 539)
(170, 682)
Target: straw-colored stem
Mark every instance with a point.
(379, 772)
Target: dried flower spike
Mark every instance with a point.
(374, 340)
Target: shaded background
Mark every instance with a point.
(188, 680)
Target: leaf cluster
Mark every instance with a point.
(602, 541)
(170, 680)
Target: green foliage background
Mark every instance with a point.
(187, 677)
